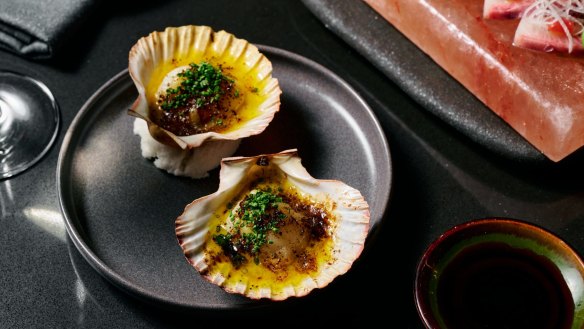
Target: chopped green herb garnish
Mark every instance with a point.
(200, 84)
(259, 214)
(224, 241)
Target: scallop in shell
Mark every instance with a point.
(271, 230)
(200, 93)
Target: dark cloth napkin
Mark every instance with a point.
(37, 28)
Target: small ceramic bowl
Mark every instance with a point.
(500, 273)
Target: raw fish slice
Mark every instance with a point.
(540, 95)
(534, 36)
(505, 9)
(550, 26)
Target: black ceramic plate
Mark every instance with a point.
(420, 77)
(120, 209)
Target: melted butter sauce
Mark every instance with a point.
(247, 82)
(255, 276)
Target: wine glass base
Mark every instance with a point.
(29, 122)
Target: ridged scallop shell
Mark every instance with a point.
(160, 53)
(348, 226)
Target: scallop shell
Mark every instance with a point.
(160, 55)
(348, 226)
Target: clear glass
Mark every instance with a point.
(29, 122)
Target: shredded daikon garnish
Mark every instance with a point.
(562, 12)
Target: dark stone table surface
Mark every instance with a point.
(440, 178)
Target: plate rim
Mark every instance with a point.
(76, 235)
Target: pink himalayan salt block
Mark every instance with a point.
(540, 95)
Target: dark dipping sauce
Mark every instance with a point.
(493, 285)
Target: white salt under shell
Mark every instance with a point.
(195, 162)
(271, 230)
(155, 63)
